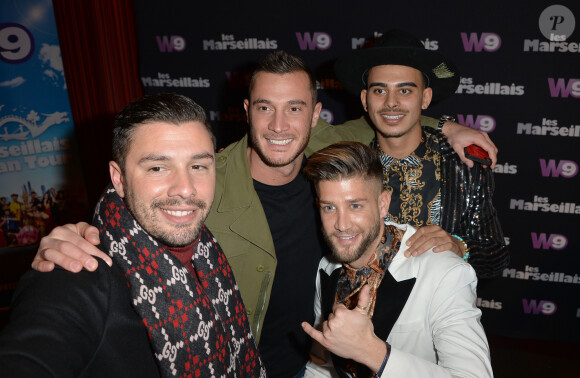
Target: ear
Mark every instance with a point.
(363, 98)
(117, 178)
(427, 96)
(247, 109)
(384, 202)
(316, 114)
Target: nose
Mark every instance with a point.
(342, 222)
(391, 99)
(182, 184)
(278, 122)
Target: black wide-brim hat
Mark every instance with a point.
(397, 47)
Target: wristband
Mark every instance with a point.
(466, 256)
(380, 371)
(442, 120)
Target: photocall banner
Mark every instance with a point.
(41, 181)
(520, 82)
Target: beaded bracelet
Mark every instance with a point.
(466, 256)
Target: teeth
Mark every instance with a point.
(346, 237)
(280, 142)
(177, 213)
(393, 117)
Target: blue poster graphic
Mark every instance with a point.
(41, 183)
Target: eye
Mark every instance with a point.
(198, 167)
(327, 208)
(295, 109)
(355, 206)
(156, 169)
(380, 91)
(405, 90)
(263, 108)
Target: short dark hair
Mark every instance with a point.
(280, 62)
(344, 160)
(172, 108)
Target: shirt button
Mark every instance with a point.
(260, 268)
(248, 311)
(222, 159)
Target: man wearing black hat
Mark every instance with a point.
(427, 315)
(448, 201)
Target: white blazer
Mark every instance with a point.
(428, 313)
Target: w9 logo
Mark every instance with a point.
(16, 43)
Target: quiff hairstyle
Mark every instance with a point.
(171, 108)
(280, 62)
(342, 161)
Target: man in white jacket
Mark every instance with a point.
(377, 311)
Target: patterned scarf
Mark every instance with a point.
(351, 281)
(197, 327)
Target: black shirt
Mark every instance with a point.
(294, 224)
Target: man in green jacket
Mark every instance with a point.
(263, 213)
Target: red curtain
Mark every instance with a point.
(99, 51)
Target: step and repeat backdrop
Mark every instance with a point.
(41, 180)
(520, 82)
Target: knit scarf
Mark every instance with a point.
(197, 327)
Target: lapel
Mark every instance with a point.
(395, 288)
(328, 291)
(327, 296)
(238, 199)
(392, 296)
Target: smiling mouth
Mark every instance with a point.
(282, 142)
(386, 116)
(346, 237)
(177, 213)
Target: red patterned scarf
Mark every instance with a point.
(197, 327)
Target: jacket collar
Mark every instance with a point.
(237, 175)
(238, 197)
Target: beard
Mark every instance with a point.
(278, 162)
(173, 235)
(354, 252)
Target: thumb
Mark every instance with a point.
(364, 300)
(90, 233)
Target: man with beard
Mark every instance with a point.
(380, 313)
(264, 214)
(169, 306)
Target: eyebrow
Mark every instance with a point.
(350, 201)
(291, 102)
(261, 101)
(399, 85)
(153, 157)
